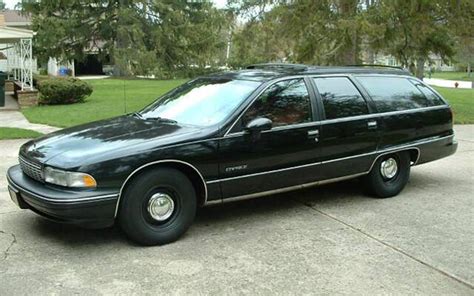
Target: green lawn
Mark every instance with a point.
(462, 101)
(17, 133)
(452, 76)
(111, 97)
(107, 101)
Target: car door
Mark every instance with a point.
(282, 156)
(349, 133)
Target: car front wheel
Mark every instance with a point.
(157, 207)
(389, 175)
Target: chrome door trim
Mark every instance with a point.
(383, 114)
(263, 173)
(158, 162)
(343, 119)
(281, 190)
(380, 153)
(278, 128)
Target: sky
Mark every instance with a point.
(11, 3)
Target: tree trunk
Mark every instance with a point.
(349, 53)
(370, 56)
(121, 43)
(420, 67)
(468, 69)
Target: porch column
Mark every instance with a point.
(26, 64)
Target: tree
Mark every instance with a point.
(465, 53)
(341, 32)
(461, 25)
(140, 36)
(321, 32)
(413, 30)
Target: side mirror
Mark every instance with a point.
(258, 124)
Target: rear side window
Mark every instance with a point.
(340, 97)
(433, 99)
(393, 93)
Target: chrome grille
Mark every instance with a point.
(31, 169)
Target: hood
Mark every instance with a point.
(88, 143)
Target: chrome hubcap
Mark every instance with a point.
(389, 168)
(160, 206)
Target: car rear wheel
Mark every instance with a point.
(389, 175)
(157, 207)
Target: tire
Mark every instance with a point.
(166, 192)
(380, 183)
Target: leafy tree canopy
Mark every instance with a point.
(342, 32)
(139, 36)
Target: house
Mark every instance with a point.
(91, 65)
(436, 62)
(13, 20)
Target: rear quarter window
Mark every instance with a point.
(394, 93)
(433, 98)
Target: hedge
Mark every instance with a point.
(63, 91)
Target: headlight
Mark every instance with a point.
(68, 179)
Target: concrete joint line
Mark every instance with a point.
(9, 212)
(6, 252)
(445, 273)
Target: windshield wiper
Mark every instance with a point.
(136, 114)
(161, 119)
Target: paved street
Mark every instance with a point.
(326, 240)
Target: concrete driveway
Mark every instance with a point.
(326, 240)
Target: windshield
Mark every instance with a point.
(203, 102)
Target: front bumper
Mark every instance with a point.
(91, 209)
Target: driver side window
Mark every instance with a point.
(284, 103)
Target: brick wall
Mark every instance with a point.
(27, 98)
(9, 85)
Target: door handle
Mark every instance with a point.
(314, 134)
(372, 124)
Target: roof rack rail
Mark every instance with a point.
(378, 66)
(279, 66)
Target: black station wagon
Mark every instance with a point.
(230, 136)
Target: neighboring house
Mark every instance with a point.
(13, 19)
(388, 60)
(436, 62)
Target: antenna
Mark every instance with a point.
(124, 98)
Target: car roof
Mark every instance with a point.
(264, 72)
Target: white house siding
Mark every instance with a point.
(4, 63)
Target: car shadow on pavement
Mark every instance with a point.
(330, 193)
(74, 235)
(208, 219)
